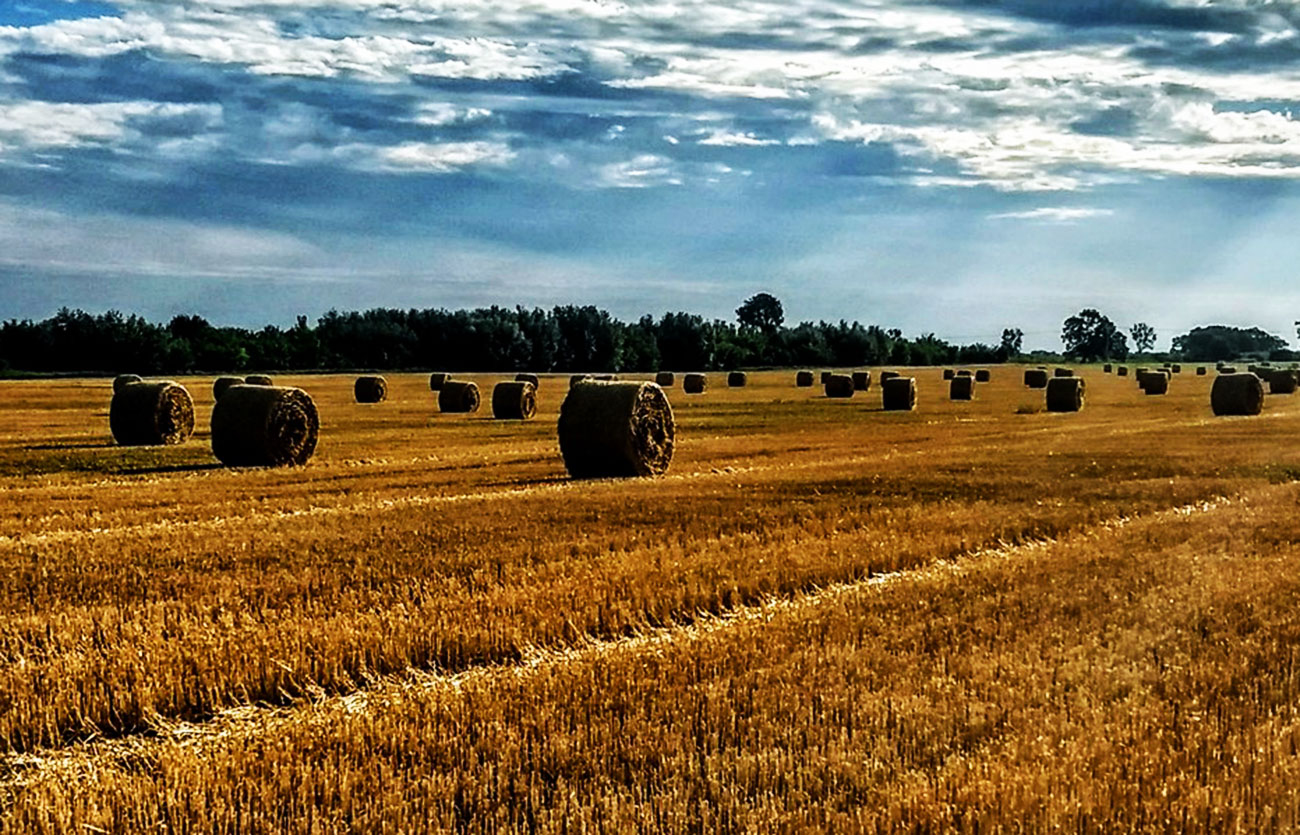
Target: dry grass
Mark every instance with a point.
(1119, 676)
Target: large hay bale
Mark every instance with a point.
(258, 380)
(123, 380)
(961, 388)
(1237, 394)
(1155, 382)
(737, 379)
(665, 379)
(1282, 382)
(1063, 372)
(264, 426)
(437, 380)
(1065, 394)
(152, 413)
(615, 430)
(695, 383)
(370, 389)
(839, 385)
(889, 375)
(948, 373)
(529, 378)
(458, 396)
(514, 401)
(898, 394)
(983, 375)
(1122, 371)
(861, 380)
(220, 385)
(825, 375)
(1036, 378)
(804, 379)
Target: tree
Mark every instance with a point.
(1090, 336)
(1221, 342)
(1144, 337)
(762, 311)
(1013, 339)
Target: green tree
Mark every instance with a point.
(762, 311)
(1090, 336)
(1013, 340)
(1144, 337)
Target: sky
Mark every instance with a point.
(946, 166)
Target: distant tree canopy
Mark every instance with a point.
(1221, 342)
(1090, 336)
(1144, 337)
(563, 339)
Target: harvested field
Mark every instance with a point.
(980, 615)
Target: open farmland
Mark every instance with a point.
(970, 616)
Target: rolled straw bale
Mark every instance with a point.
(1065, 394)
(370, 389)
(514, 401)
(825, 375)
(152, 413)
(839, 385)
(613, 430)
(1177, 369)
(123, 380)
(437, 380)
(458, 396)
(1107, 368)
(804, 379)
(258, 380)
(1122, 371)
(898, 394)
(578, 378)
(529, 378)
(264, 426)
(1282, 382)
(965, 372)
(1227, 369)
(606, 378)
(220, 385)
(961, 388)
(889, 375)
(861, 380)
(1201, 371)
(737, 379)
(1237, 394)
(665, 379)
(1155, 382)
(983, 375)
(1063, 372)
(948, 373)
(1036, 378)
(694, 383)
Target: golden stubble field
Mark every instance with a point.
(971, 617)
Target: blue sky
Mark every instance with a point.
(955, 166)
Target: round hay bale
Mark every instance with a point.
(121, 381)
(861, 380)
(258, 380)
(1237, 394)
(1201, 371)
(804, 379)
(264, 426)
(665, 379)
(1065, 394)
(1036, 378)
(1155, 382)
(1063, 372)
(371, 389)
(458, 397)
(825, 375)
(898, 394)
(839, 385)
(1227, 369)
(1122, 371)
(695, 383)
(153, 413)
(514, 401)
(891, 375)
(965, 372)
(1107, 368)
(529, 378)
(1177, 369)
(578, 378)
(1282, 382)
(220, 385)
(616, 430)
(606, 378)
(437, 380)
(983, 375)
(961, 388)
(737, 379)
(948, 373)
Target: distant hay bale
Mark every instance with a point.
(983, 375)
(898, 394)
(804, 379)
(889, 375)
(370, 389)
(737, 379)
(948, 373)
(1177, 369)
(123, 380)
(1107, 368)
(578, 378)
(1227, 369)
(695, 383)
(1282, 382)
(605, 378)
(665, 379)
(961, 388)
(514, 401)
(861, 380)
(458, 397)
(1237, 394)
(1122, 371)
(220, 385)
(437, 380)
(529, 378)
(1154, 382)
(264, 426)
(616, 430)
(1036, 378)
(258, 380)
(1063, 372)
(153, 413)
(1201, 371)
(825, 375)
(965, 372)
(1065, 394)
(839, 385)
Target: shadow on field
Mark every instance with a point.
(64, 447)
(173, 468)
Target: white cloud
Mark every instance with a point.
(444, 157)
(38, 125)
(722, 138)
(1054, 214)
